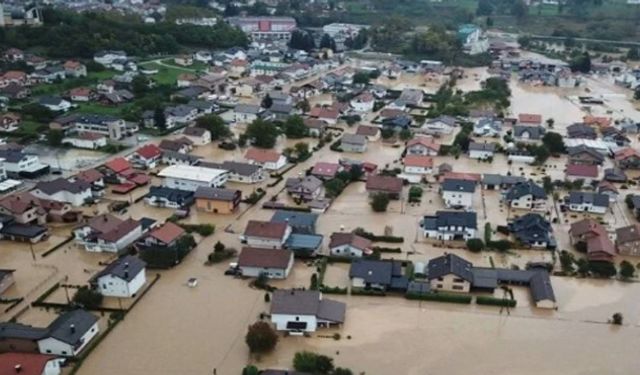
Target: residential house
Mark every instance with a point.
(527, 196)
(305, 188)
(266, 234)
(627, 158)
(20, 164)
(300, 222)
(107, 233)
(608, 189)
(450, 225)
(371, 132)
(270, 263)
(458, 193)
(80, 94)
(69, 334)
(182, 145)
(188, 177)
(533, 230)
(94, 178)
(583, 230)
(76, 193)
(12, 230)
(160, 196)
(611, 134)
(239, 172)
(315, 126)
(410, 97)
(423, 146)
(54, 104)
(377, 275)
(199, 136)
(90, 141)
(353, 143)
(147, 156)
(441, 125)
(122, 278)
(481, 151)
(581, 131)
(247, 113)
(600, 248)
(628, 240)
(183, 60)
(10, 121)
(179, 115)
(363, 103)
(326, 171)
(178, 158)
(29, 364)
(584, 155)
(281, 111)
(186, 80)
(418, 164)
(74, 69)
(166, 235)
(329, 115)
(350, 245)
(304, 310)
(14, 91)
(450, 273)
(392, 186)
(595, 203)
(615, 175)
(216, 200)
(500, 182)
(267, 159)
(586, 173)
(487, 127)
(526, 133)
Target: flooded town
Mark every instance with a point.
(291, 205)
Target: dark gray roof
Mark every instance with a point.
(585, 149)
(12, 156)
(299, 241)
(476, 146)
(308, 183)
(449, 264)
(525, 188)
(22, 230)
(10, 330)
(580, 130)
(496, 179)
(61, 184)
(531, 228)
(331, 310)
(50, 100)
(541, 288)
(451, 121)
(71, 326)
(451, 218)
(615, 175)
(452, 184)
(372, 271)
(535, 132)
(281, 108)
(248, 108)
(295, 218)
(595, 199)
(207, 192)
(485, 278)
(180, 156)
(172, 195)
(194, 131)
(354, 139)
(125, 268)
(307, 302)
(243, 169)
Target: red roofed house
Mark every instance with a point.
(363, 102)
(272, 263)
(385, 184)
(326, 171)
(423, 146)
(371, 132)
(349, 245)
(94, 178)
(601, 122)
(330, 114)
(588, 173)
(80, 94)
(529, 119)
(118, 165)
(29, 364)
(147, 156)
(13, 76)
(268, 159)
(600, 248)
(418, 164)
(628, 158)
(74, 69)
(585, 229)
(266, 234)
(107, 233)
(165, 236)
(10, 121)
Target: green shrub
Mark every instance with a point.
(492, 301)
(333, 290)
(440, 297)
(367, 292)
(387, 249)
(204, 230)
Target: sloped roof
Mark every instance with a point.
(168, 232)
(264, 258)
(265, 229)
(449, 264)
(125, 268)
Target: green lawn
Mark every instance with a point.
(59, 88)
(197, 65)
(100, 109)
(166, 75)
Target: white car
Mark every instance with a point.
(192, 282)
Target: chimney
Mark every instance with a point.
(18, 368)
(126, 274)
(73, 328)
(126, 265)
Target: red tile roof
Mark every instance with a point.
(352, 239)
(529, 118)
(264, 258)
(597, 120)
(89, 176)
(265, 229)
(123, 229)
(262, 155)
(325, 169)
(387, 184)
(149, 151)
(418, 161)
(28, 363)
(626, 153)
(118, 164)
(168, 232)
(582, 170)
(427, 142)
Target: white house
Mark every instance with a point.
(199, 136)
(89, 141)
(423, 146)
(481, 151)
(122, 278)
(25, 165)
(245, 173)
(107, 233)
(147, 156)
(487, 127)
(418, 165)
(246, 113)
(304, 311)
(438, 126)
(349, 245)
(266, 234)
(269, 159)
(591, 202)
(107, 58)
(450, 225)
(272, 263)
(69, 334)
(187, 177)
(458, 193)
(363, 102)
(55, 104)
(61, 190)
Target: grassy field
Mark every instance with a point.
(100, 109)
(168, 72)
(58, 88)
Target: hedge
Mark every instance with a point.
(492, 301)
(333, 290)
(370, 236)
(387, 249)
(441, 297)
(367, 292)
(338, 259)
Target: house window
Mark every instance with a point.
(439, 286)
(440, 279)
(64, 352)
(458, 280)
(457, 287)
(48, 351)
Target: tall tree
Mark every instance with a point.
(215, 125)
(159, 119)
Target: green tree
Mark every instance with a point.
(636, 94)
(294, 127)
(379, 202)
(355, 173)
(475, 245)
(159, 119)
(267, 102)
(302, 150)
(215, 125)
(602, 269)
(519, 9)
(334, 187)
(261, 337)
(617, 319)
(566, 261)
(406, 134)
(140, 84)
(88, 298)
(554, 142)
(633, 53)
(342, 371)
(312, 363)
(361, 78)
(304, 105)
(218, 247)
(250, 370)
(55, 137)
(627, 270)
(327, 42)
(581, 63)
(263, 134)
(38, 112)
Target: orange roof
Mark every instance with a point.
(72, 64)
(261, 155)
(418, 161)
(597, 120)
(424, 141)
(149, 151)
(529, 118)
(475, 177)
(118, 164)
(89, 176)
(168, 232)
(80, 91)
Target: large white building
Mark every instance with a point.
(187, 177)
(458, 193)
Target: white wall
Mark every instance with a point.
(450, 283)
(457, 198)
(280, 320)
(346, 250)
(115, 287)
(54, 346)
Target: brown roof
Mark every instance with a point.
(168, 232)
(597, 120)
(149, 151)
(120, 231)
(265, 229)
(264, 258)
(352, 239)
(587, 227)
(529, 118)
(630, 233)
(262, 155)
(367, 131)
(600, 248)
(194, 131)
(391, 112)
(427, 142)
(582, 170)
(384, 183)
(325, 169)
(80, 91)
(72, 64)
(626, 153)
(418, 161)
(89, 176)
(314, 123)
(28, 363)
(19, 203)
(187, 77)
(104, 223)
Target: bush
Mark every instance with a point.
(375, 238)
(617, 319)
(204, 230)
(312, 363)
(626, 270)
(475, 245)
(261, 337)
(367, 292)
(492, 301)
(379, 202)
(500, 245)
(250, 370)
(88, 298)
(395, 250)
(333, 290)
(440, 297)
